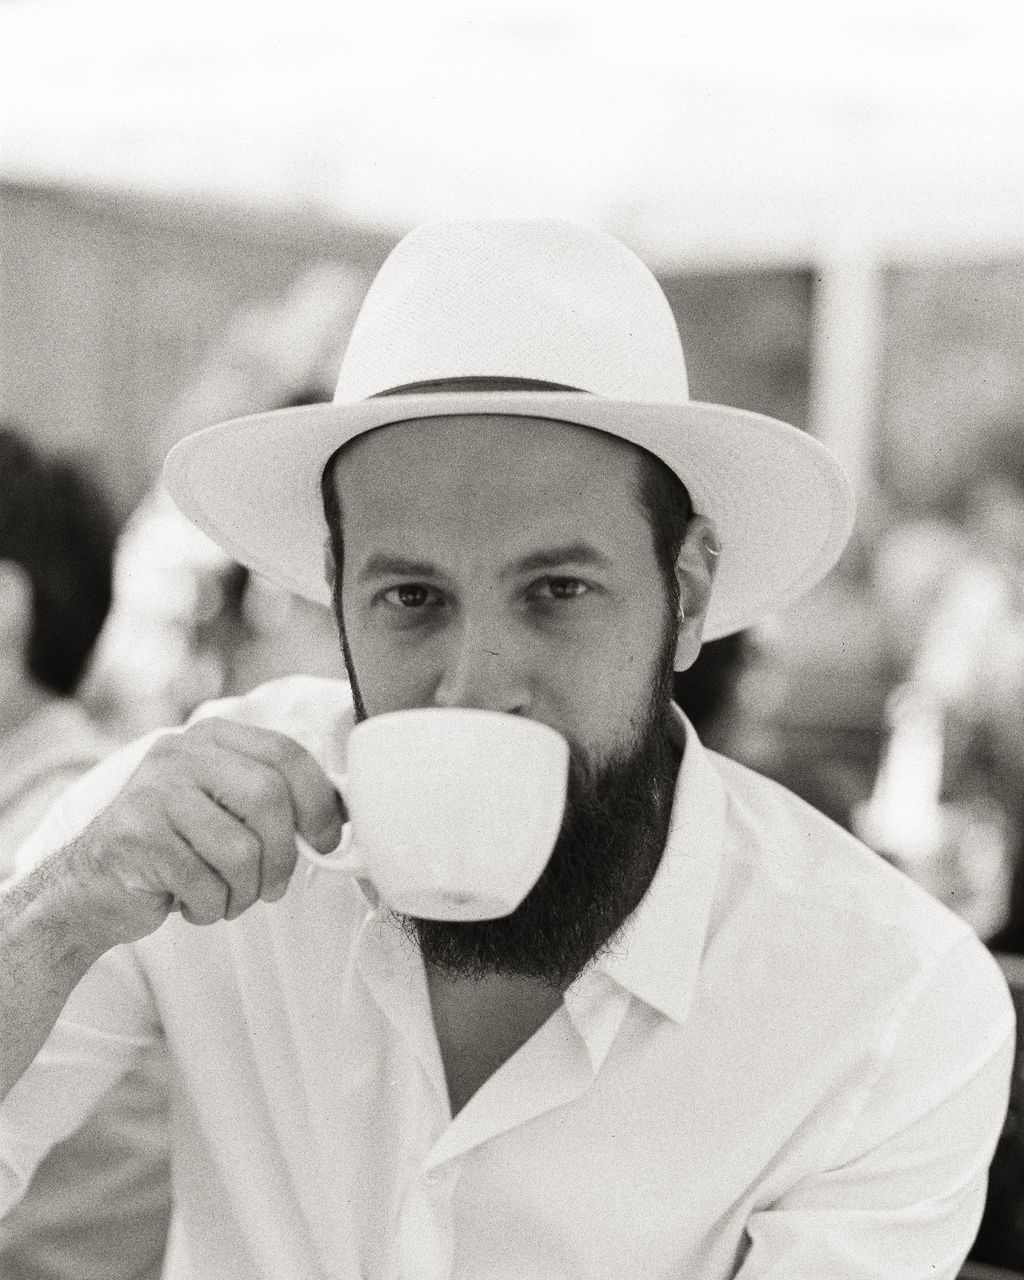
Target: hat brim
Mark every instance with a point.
(781, 504)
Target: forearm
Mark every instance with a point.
(49, 937)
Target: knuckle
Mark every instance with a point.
(137, 819)
(165, 745)
(268, 789)
(195, 880)
(287, 750)
(202, 730)
(278, 867)
(245, 888)
(276, 786)
(204, 899)
(147, 796)
(204, 913)
(243, 846)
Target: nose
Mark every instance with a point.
(481, 670)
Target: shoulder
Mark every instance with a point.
(842, 925)
(840, 968)
(800, 853)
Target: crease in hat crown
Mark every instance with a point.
(541, 300)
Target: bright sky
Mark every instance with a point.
(713, 126)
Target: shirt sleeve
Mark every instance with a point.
(902, 1196)
(107, 1022)
(22, 817)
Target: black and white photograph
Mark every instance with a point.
(511, 640)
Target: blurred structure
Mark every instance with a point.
(189, 624)
(946, 804)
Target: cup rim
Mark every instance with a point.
(523, 724)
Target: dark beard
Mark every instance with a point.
(605, 857)
(612, 837)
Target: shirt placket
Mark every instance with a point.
(553, 1069)
(394, 977)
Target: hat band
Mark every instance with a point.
(475, 384)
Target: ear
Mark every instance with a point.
(695, 574)
(15, 606)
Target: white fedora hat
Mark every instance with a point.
(541, 302)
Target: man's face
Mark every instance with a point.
(504, 564)
(508, 565)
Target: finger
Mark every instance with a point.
(314, 800)
(224, 843)
(258, 796)
(198, 891)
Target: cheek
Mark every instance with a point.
(390, 678)
(602, 699)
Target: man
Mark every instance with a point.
(99, 1204)
(719, 1038)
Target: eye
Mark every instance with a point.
(561, 588)
(410, 595)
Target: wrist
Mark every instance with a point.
(88, 905)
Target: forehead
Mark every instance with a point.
(488, 476)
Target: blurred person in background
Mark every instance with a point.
(190, 623)
(946, 805)
(56, 547)
(98, 1206)
(718, 1038)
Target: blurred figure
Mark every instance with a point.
(189, 624)
(56, 548)
(946, 803)
(98, 1207)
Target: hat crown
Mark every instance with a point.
(540, 300)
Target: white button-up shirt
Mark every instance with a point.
(792, 1064)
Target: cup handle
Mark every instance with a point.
(344, 857)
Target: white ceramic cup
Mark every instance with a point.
(453, 812)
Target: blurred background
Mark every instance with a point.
(193, 201)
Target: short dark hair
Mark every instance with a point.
(57, 525)
(663, 497)
(667, 505)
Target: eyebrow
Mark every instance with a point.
(580, 553)
(383, 564)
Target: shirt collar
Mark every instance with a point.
(656, 955)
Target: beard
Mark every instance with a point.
(609, 847)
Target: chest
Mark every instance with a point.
(480, 1024)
